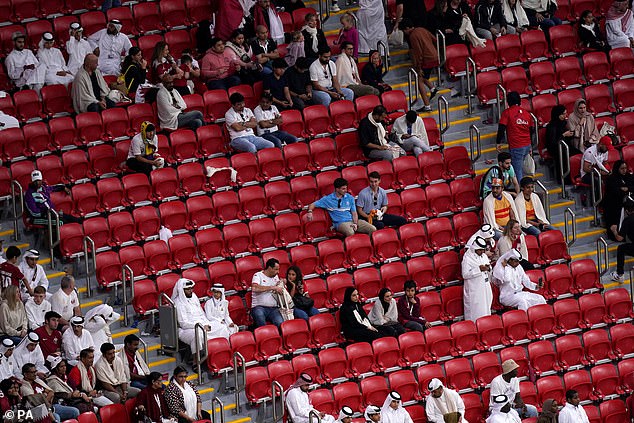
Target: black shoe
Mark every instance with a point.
(433, 93)
(424, 109)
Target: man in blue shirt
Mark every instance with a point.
(342, 210)
(374, 197)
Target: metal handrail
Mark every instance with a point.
(163, 296)
(535, 142)
(444, 125)
(469, 62)
(88, 240)
(413, 97)
(199, 357)
(215, 400)
(546, 199)
(237, 389)
(321, 11)
(474, 157)
(596, 192)
(441, 61)
(145, 351)
(14, 208)
(380, 45)
(124, 268)
(500, 89)
(573, 220)
(631, 287)
(275, 386)
(563, 147)
(602, 256)
(314, 414)
(51, 244)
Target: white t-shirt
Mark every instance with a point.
(137, 146)
(35, 313)
(260, 115)
(64, 304)
(323, 75)
(500, 387)
(265, 299)
(232, 117)
(592, 156)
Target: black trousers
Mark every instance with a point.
(622, 251)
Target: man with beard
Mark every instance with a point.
(22, 66)
(298, 402)
(110, 45)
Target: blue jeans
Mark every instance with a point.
(138, 384)
(192, 120)
(322, 97)
(531, 411)
(261, 314)
(108, 4)
(223, 84)
(534, 230)
(517, 160)
(301, 314)
(279, 138)
(250, 143)
(65, 412)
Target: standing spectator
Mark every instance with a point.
(414, 10)
(443, 401)
(409, 309)
(266, 285)
(142, 156)
(476, 271)
(490, 21)
(507, 384)
(110, 45)
(36, 307)
(109, 4)
(515, 15)
(314, 38)
(326, 87)
(354, 321)
(626, 231)
(37, 200)
(77, 48)
(372, 72)
(242, 57)
(498, 208)
(151, 400)
(276, 84)
(411, 133)
(98, 321)
(134, 70)
(557, 130)
(50, 336)
(304, 305)
(583, 126)
(348, 73)
(240, 123)
(541, 13)
(23, 68)
(371, 25)
(619, 25)
(65, 302)
(517, 125)
(265, 15)
(13, 321)
(89, 92)
(295, 49)
(10, 274)
(268, 119)
(348, 33)
(229, 17)
(590, 34)
(171, 110)
(341, 208)
(372, 205)
(51, 58)
(513, 238)
(373, 137)
(219, 66)
(618, 186)
(573, 412)
(384, 314)
(512, 280)
(450, 14)
(530, 211)
(264, 49)
(33, 272)
(595, 157)
(422, 50)
(504, 171)
(299, 85)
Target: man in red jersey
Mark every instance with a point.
(517, 124)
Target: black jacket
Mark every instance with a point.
(487, 15)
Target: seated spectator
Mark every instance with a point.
(422, 50)
(530, 210)
(89, 92)
(7, 364)
(191, 72)
(11, 400)
(136, 369)
(583, 127)
(373, 137)
(35, 385)
(513, 238)
(23, 68)
(134, 71)
(348, 33)
(295, 48)
(276, 84)
(511, 278)
(183, 400)
(298, 402)
(268, 119)
(411, 134)
(304, 305)
(372, 73)
(98, 321)
(28, 351)
(450, 14)
(619, 25)
(52, 60)
(34, 273)
(550, 412)
(515, 15)
(265, 14)
(501, 411)
(77, 47)
(498, 208)
(299, 84)
(240, 123)
(75, 340)
(13, 321)
(164, 67)
(37, 200)
(490, 21)
(10, 273)
(341, 208)
(264, 49)
(171, 110)
(372, 205)
(83, 378)
(7, 121)
(409, 309)
(354, 322)
(266, 285)
(504, 171)
(618, 186)
(142, 155)
(314, 38)
(476, 272)
(243, 56)
(65, 302)
(150, 402)
(590, 34)
(50, 337)
(508, 385)
(110, 372)
(323, 74)
(36, 307)
(596, 157)
(219, 66)
(217, 309)
(393, 410)
(442, 402)
(348, 73)
(542, 14)
(110, 45)
(384, 314)
(62, 391)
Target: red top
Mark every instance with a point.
(518, 123)
(49, 343)
(74, 378)
(10, 275)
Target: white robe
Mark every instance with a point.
(512, 281)
(35, 313)
(21, 356)
(15, 62)
(478, 295)
(72, 345)
(6, 122)
(36, 277)
(616, 35)
(298, 406)
(111, 50)
(499, 417)
(571, 414)
(371, 25)
(53, 60)
(98, 321)
(520, 206)
(433, 406)
(7, 364)
(218, 313)
(418, 129)
(77, 51)
(390, 415)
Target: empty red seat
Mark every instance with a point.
(593, 309)
(295, 334)
(485, 57)
(487, 83)
(365, 104)
(331, 255)
(570, 352)
(534, 45)
(28, 106)
(455, 64)
(343, 114)
(414, 203)
(543, 357)
(337, 285)
(543, 78)
(56, 100)
(553, 246)
(459, 374)
(348, 149)
(430, 306)
(622, 339)
(414, 239)
(569, 72)
(374, 388)
(347, 394)
(597, 346)
(515, 79)
(447, 267)
(439, 342)
(580, 381)
(613, 411)
(596, 67)
(457, 161)
(490, 330)
(323, 328)
(486, 366)
(563, 40)
(622, 61)
(394, 276)
(367, 281)
(550, 387)
(271, 163)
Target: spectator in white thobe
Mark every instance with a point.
(77, 47)
(33, 272)
(411, 133)
(113, 47)
(619, 25)
(22, 66)
(345, 415)
(217, 309)
(393, 411)
(573, 412)
(476, 272)
(29, 351)
(52, 59)
(7, 362)
(511, 278)
(75, 339)
(298, 402)
(98, 321)
(6, 122)
(372, 414)
(442, 401)
(502, 412)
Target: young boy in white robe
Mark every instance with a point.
(22, 66)
(7, 363)
(345, 415)
(28, 351)
(217, 309)
(442, 401)
(36, 307)
(77, 47)
(372, 414)
(393, 411)
(512, 279)
(75, 339)
(298, 402)
(52, 59)
(476, 272)
(34, 273)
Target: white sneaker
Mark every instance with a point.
(616, 277)
(334, 8)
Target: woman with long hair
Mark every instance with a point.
(58, 382)
(165, 68)
(13, 319)
(304, 305)
(513, 238)
(354, 320)
(384, 314)
(243, 56)
(582, 124)
(133, 71)
(183, 400)
(618, 186)
(372, 72)
(590, 34)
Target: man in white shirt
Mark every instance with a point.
(65, 301)
(37, 307)
(298, 402)
(22, 66)
(33, 272)
(348, 73)
(7, 121)
(512, 279)
(265, 286)
(442, 401)
(77, 47)
(619, 25)
(111, 46)
(240, 122)
(502, 412)
(171, 109)
(52, 59)
(323, 75)
(595, 157)
(509, 385)
(75, 339)
(411, 133)
(572, 412)
(268, 118)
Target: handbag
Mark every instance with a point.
(285, 303)
(529, 164)
(303, 302)
(453, 417)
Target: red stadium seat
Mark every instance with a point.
(348, 149)
(570, 352)
(306, 363)
(386, 244)
(543, 357)
(459, 374)
(613, 411)
(426, 373)
(71, 240)
(430, 306)
(518, 354)
(173, 215)
(514, 79)
(252, 201)
(596, 67)
(331, 255)
(134, 258)
(219, 358)
(509, 50)
(184, 254)
(323, 329)
(394, 276)
(404, 382)
(487, 83)
(368, 282)
(622, 339)
(271, 162)
(563, 40)
(406, 171)
(395, 102)
(439, 342)
(258, 384)
(490, 330)
(365, 104)
(124, 15)
(76, 166)
(323, 153)
(465, 337)
(447, 267)
(337, 285)
(543, 78)
(605, 380)
(456, 55)
(457, 161)
(486, 366)
(147, 17)
(347, 393)
(92, 22)
(580, 381)
(553, 246)
(599, 100)
(268, 341)
(374, 388)
(516, 326)
(147, 221)
(295, 334)
(568, 71)
(28, 106)
(412, 348)
(486, 57)
(622, 61)
(145, 298)
(593, 309)
(597, 346)
(414, 203)
(122, 228)
(623, 93)
(342, 113)
(550, 387)
(56, 100)
(534, 45)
